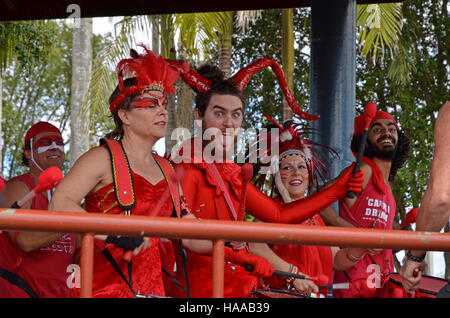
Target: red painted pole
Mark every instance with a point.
(71, 222)
(218, 268)
(87, 264)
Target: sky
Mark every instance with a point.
(106, 24)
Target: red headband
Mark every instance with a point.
(360, 121)
(151, 73)
(38, 128)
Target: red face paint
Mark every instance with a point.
(48, 140)
(151, 101)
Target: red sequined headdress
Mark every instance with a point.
(291, 140)
(151, 72)
(202, 85)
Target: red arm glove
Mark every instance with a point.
(261, 267)
(267, 210)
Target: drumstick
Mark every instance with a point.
(370, 112)
(336, 286)
(410, 217)
(47, 180)
(320, 279)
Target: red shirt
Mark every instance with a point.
(45, 270)
(310, 259)
(373, 209)
(146, 266)
(206, 200)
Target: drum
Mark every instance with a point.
(278, 293)
(428, 288)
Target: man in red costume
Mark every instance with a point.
(213, 186)
(37, 261)
(386, 150)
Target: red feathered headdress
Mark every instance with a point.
(202, 85)
(151, 72)
(291, 140)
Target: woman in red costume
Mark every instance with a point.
(138, 106)
(212, 183)
(296, 175)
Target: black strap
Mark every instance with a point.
(18, 281)
(114, 264)
(183, 262)
(173, 279)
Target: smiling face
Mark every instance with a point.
(47, 150)
(146, 116)
(294, 176)
(383, 138)
(221, 120)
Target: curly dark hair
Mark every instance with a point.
(25, 161)
(220, 86)
(401, 152)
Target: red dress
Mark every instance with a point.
(45, 269)
(206, 201)
(146, 266)
(310, 259)
(376, 204)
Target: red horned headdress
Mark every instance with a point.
(202, 85)
(151, 72)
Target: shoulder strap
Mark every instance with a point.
(172, 183)
(213, 169)
(18, 281)
(123, 180)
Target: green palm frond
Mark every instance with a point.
(379, 27)
(103, 79)
(200, 32)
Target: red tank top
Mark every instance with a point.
(151, 200)
(45, 270)
(310, 259)
(373, 209)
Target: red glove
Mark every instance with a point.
(261, 267)
(349, 181)
(268, 210)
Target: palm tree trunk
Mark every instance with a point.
(287, 55)
(81, 75)
(166, 45)
(1, 112)
(225, 48)
(155, 33)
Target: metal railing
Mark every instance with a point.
(88, 224)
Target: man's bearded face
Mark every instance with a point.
(382, 141)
